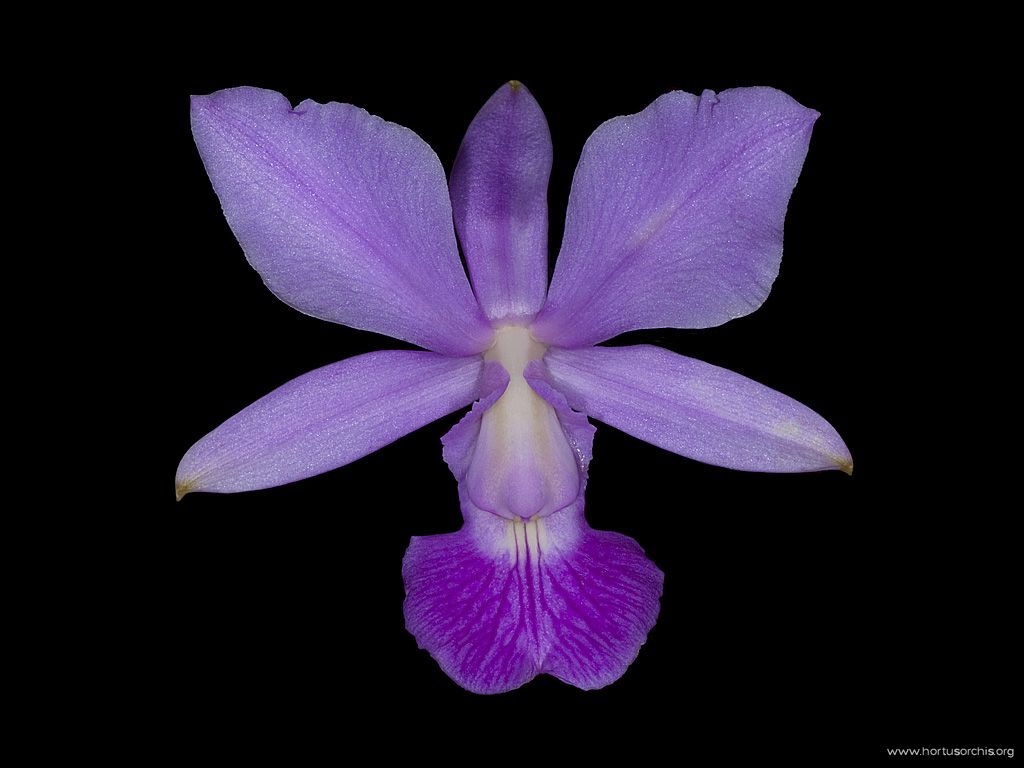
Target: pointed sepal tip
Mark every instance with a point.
(182, 489)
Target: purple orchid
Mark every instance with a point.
(674, 220)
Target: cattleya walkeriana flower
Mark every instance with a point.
(674, 220)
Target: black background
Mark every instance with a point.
(804, 611)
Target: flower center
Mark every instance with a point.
(514, 347)
(522, 464)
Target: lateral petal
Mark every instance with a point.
(675, 215)
(345, 216)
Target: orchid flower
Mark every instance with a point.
(674, 220)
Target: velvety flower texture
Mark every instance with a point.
(674, 220)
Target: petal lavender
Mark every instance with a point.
(675, 220)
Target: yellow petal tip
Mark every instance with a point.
(181, 489)
(515, 85)
(846, 465)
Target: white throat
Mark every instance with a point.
(514, 347)
(522, 464)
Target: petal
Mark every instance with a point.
(328, 418)
(345, 216)
(675, 215)
(507, 598)
(459, 442)
(696, 410)
(512, 453)
(499, 190)
(577, 428)
(504, 600)
(522, 464)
